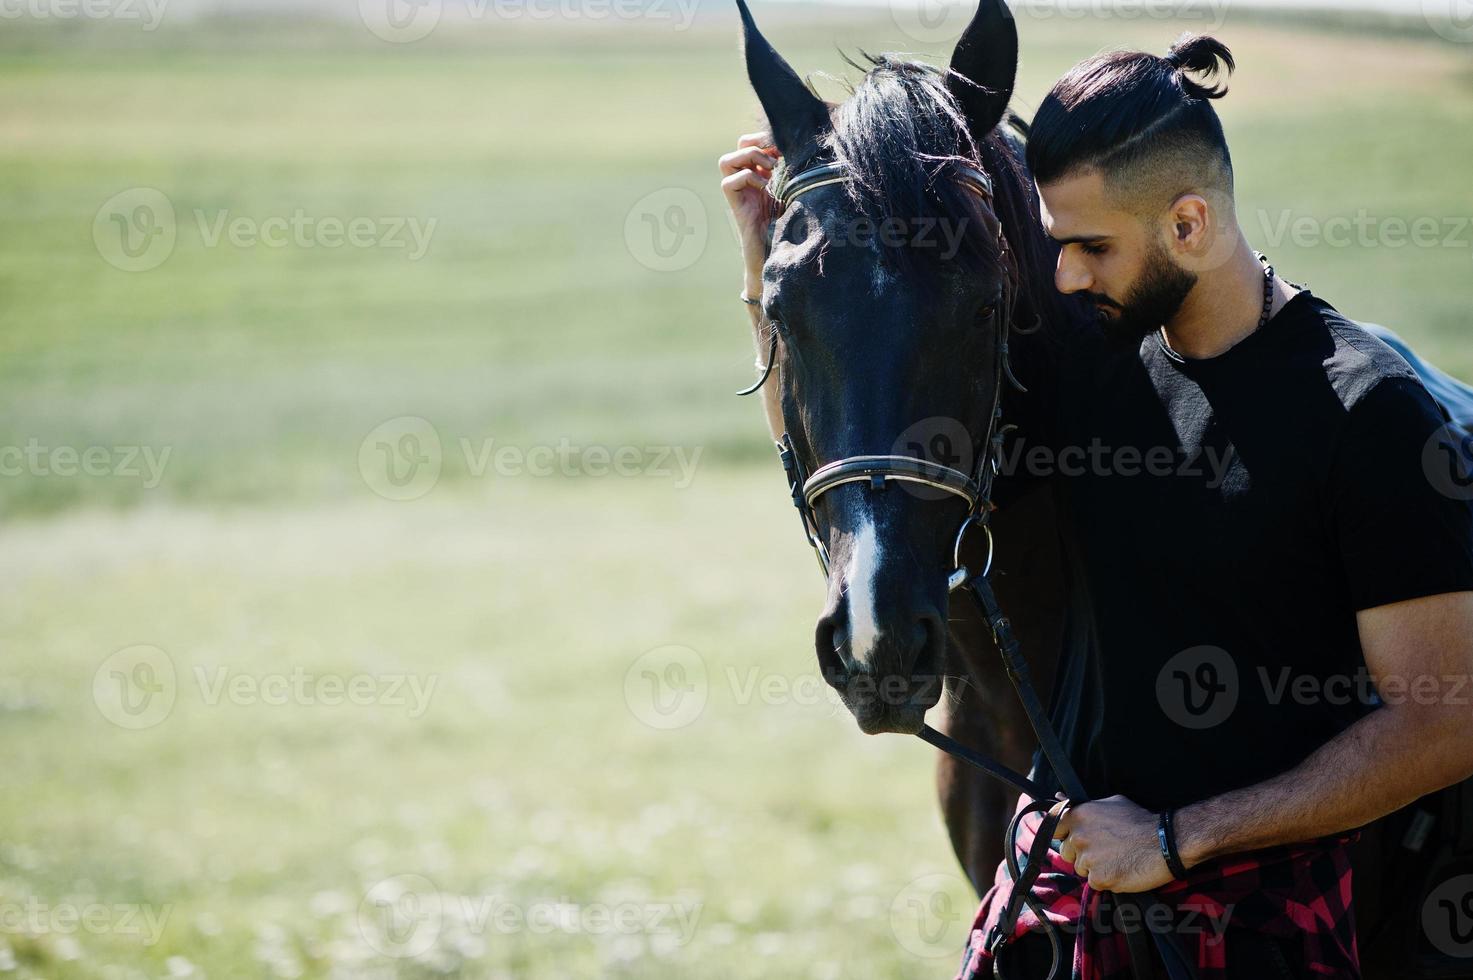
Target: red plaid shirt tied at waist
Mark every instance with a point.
(1297, 893)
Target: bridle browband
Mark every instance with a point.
(975, 488)
(836, 173)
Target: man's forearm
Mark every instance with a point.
(1386, 760)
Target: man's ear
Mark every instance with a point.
(1191, 221)
(1199, 233)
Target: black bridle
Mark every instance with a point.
(876, 471)
(975, 488)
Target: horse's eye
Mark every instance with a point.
(988, 312)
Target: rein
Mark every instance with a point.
(975, 488)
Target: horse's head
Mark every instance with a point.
(890, 290)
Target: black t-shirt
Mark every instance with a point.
(1224, 520)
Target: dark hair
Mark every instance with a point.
(898, 130)
(1118, 111)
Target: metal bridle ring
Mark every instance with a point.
(961, 575)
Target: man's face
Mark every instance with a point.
(1114, 258)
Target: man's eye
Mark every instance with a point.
(1093, 249)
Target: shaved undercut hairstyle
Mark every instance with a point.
(1142, 121)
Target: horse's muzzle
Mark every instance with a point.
(890, 685)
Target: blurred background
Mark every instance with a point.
(390, 584)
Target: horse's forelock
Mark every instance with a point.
(896, 133)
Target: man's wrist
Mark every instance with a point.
(752, 286)
(1192, 844)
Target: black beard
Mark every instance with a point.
(1155, 298)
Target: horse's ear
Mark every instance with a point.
(797, 116)
(987, 57)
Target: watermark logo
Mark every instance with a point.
(1447, 459)
(400, 21)
(1451, 19)
(1447, 917)
(401, 917)
(401, 458)
(135, 230)
(931, 21)
(1198, 688)
(666, 231)
(940, 440)
(136, 687)
(928, 919)
(667, 687)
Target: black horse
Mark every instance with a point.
(891, 292)
(888, 345)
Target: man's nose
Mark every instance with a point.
(1070, 275)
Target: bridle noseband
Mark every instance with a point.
(876, 471)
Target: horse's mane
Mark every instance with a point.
(896, 133)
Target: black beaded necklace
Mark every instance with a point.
(1268, 290)
(1268, 302)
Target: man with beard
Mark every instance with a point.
(1230, 611)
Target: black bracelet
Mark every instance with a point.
(1166, 835)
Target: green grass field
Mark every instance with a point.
(266, 718)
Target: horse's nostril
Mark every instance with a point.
(931, 635)
(830, 639)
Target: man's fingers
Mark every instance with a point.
(740, 181)
(1066, 823)
(1068, 853)
(762, 139)
(751, 158)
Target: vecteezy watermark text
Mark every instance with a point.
(402, 459)
(303, 230)
(37, 918)
(1207, 463)
(1201, 687)
(35, 458)
(403, 916)
(934, 21)
(150, 13)
(407, 21)
(138, 229)
(1365, 230)
(299, 686)
(137, 687)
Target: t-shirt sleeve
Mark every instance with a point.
(1401, 498)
